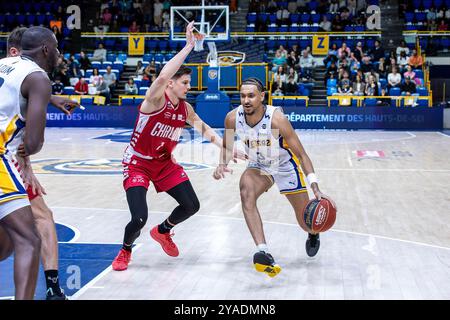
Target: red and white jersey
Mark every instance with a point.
(156, 134)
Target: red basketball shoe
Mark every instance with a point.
(122, 260)
(165, 240)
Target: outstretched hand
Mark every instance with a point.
(64, 104)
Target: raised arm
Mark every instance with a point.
(37, 89)
(282, 124)
(154, 97)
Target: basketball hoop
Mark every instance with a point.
(198, 43)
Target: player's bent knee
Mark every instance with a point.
(193, 207)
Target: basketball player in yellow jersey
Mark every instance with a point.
(275, 154)
(25, 92)
(41, 212)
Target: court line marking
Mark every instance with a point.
(91, 283)
(269, 222)
(443, 134)
(75, 230)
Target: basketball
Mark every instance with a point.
(319, 216)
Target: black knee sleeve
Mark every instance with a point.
(137, 203)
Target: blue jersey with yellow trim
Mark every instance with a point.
(264, 146)
(13, 72)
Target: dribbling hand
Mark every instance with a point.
(219, 173)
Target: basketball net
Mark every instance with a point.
(198, 43)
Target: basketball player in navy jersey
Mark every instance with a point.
(276, 156)
(162, 117)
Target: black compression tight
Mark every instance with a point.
(183, 193)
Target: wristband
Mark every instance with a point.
(311, 178)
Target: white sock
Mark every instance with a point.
(262, 247)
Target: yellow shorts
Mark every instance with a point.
(11, 186)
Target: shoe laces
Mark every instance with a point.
(123, 256)
(169, 239)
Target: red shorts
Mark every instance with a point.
(165, 174)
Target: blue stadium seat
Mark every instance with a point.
(315, 18)
(409, 17)
(283, 29)
(417, 3)
(20, 18)
(419, 73)
(272, 18)
(251, 17)
(173, 45)
(159, 58)
(370, 102)
(163, 45)
(127, 101)
(383, 83)
(289, 102)
(427, 4)
(111, 57)
(151, 45)
(304, 18)
(40, 19)
(106, 64)
(422, 91)
(262, 17)
(300, 103)
(168, 56)
(331, 91)
(447, 3)
(138, 101)
(148, 57)
(142, 90)
(87, 101)
(295, 17)
(88, 73)
(421, 16)
(331, 83)
(278, 102)
(438, 3)
(138, 82)
(96, 64)
(294, 28)
(272, 28)
(312, 5)
(47, 7)
(2, 19)
(122, 57)
(394, 92)
(69, 90)
(30, 18)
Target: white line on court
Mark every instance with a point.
(270, 222)
(443, 134)
(91, 283)
(77, 232)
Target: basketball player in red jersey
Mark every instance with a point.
(162, 117)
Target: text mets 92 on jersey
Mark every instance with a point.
(226, 310)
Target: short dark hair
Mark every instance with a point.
(254, 81)
(34, 37)
(181, 72)
(15, 38)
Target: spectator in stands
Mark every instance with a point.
(301, 5)
(331, 72)
(57, 86)
(381, 68)
(103, 90)
(110, 79)
(292, 7)
(157, 13)
(278, 86)
(431, 14)
(334, 6)
(296, 49)
(408, 87)
(361, 5)
(278, 61)
(61, 71)
(94, 79)
(394, 79)
(402, 47)
(134, 28)
(282, 16)
(306, 65)
(81, 87)
(412, 75)
(344, 65)
(73, 68)
(293, 73)
(165, 21)
(358, 52)
(333, 51)
(344, 87)
(358, 86)
(130, 87)
(84, 61)
(343, 49)
(337, 24)
(283, 51)
(415, 61)
(281, 74)
(366, 66)
(291, 87)
(371, 87)
(351, 5)
(325, 25)
(442, 26)
(139, 70)
(272, 6)
(293, 60)
(402, 61)
(432, 25)
(58, 34)
(377, 52)
(99, 54)
(354, 63)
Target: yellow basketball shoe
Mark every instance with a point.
(264, 262)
